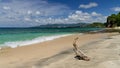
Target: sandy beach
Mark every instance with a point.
(102, 48)
(104, 54)
(59, 33)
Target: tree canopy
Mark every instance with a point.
(96, 24)
(113, 20)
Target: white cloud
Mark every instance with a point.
(77, 17)
(85, 17)
(37, 20)
(34, 14)
(6, 8)
(95, 14)
(90, 5)
(27, 19)
(116, 9)
(38, 12)
(29, 12)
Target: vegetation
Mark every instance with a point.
(113, 20)
(96, 24)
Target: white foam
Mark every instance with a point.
(33, 41)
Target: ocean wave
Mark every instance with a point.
(33, 41)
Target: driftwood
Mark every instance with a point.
(79, 54)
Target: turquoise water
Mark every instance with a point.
(19, 36)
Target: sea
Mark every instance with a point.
(13, 37)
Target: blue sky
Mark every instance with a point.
(27, 13)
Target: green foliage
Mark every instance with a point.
(96, 24)
(113, 20)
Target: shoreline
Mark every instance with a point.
(34, 52)
(16, 44)
(19, 43)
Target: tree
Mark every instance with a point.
(118, 19)
(113, 20)
(96, 24)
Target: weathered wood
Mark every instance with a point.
(79, 54)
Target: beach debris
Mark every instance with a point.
(79, 54)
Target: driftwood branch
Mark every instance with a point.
(79, 54)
